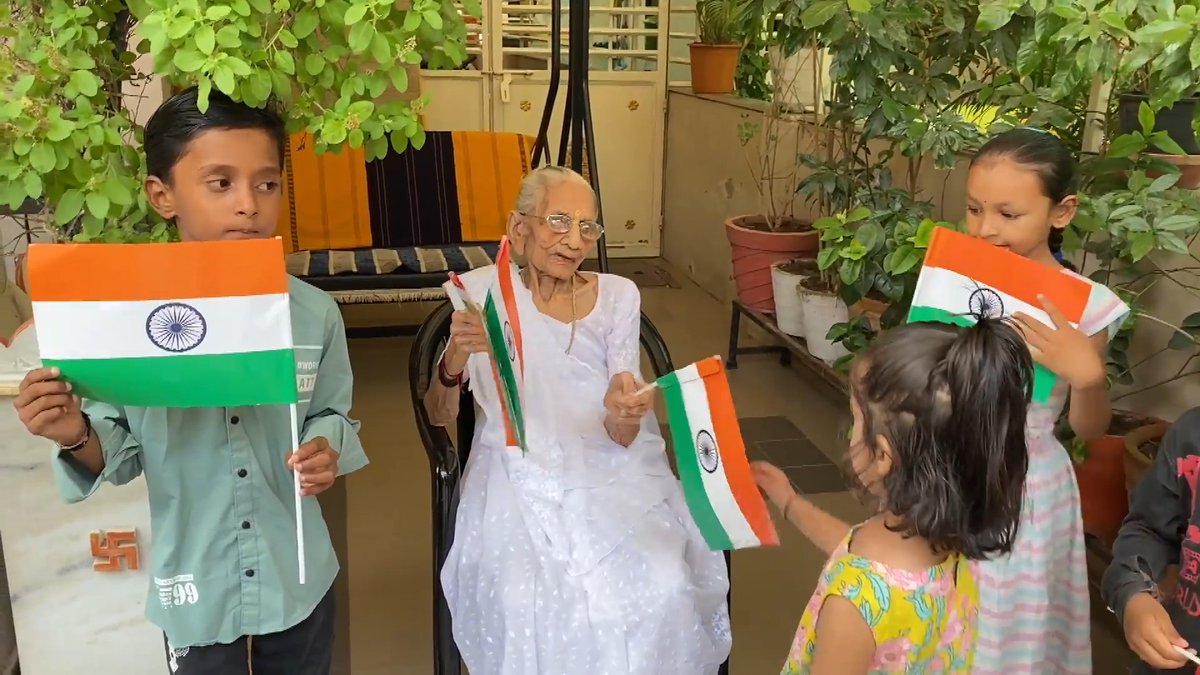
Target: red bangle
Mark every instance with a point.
(449, 381)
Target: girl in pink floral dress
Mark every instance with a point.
(939, 443)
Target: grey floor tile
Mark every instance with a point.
(814, 480)
(794, 452)
(774, 428)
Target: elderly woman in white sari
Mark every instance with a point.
(580, 555)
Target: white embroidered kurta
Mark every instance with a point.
(580, 557)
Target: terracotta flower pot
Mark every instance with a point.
(713, 67)
(1101, 478)
(1137, 462)
(1103, 494)
(1189, 169)
(755, 248)
(872, 309)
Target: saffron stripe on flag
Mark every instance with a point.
(184, 381)
(115, 272)
(126, 329)
(733, 451)
(999, 268)
(715, 487)
(504, 274)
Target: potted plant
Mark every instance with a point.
(899, 75)
(762, 245)
(848, 241)
(786, 280)
(714, 54)
(1141, 447)
(1119, 234)
(1157, 79)
(65, 134)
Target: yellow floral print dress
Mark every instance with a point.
(923, 622)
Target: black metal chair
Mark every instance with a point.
(446, 461)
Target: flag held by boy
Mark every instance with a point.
(160, 325)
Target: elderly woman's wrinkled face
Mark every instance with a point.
(557, 238)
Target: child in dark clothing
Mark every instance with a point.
(1162, 529)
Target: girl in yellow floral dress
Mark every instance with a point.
(939, 443)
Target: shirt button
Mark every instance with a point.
(249, 573)
(245, 524)
(234, 419)
(241, 473)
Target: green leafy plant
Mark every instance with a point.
(65, 138)
(900, 74)
(337, 68)
(718, 22)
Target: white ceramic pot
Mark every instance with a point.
(789, 309)
(821, 312)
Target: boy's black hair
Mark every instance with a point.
(1047, 156)
(951, 402)
(178, 121)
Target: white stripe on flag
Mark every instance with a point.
(716, 485)
(951, 291)
(109, 330)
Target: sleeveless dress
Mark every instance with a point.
(1035, 608)
(580, 556)
(923, 622)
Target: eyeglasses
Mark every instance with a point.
(561, 223)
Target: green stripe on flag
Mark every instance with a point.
(688, 463)
(935, 315)
(1043, 378)
(183, 381)
(504, 364)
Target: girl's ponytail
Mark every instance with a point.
(951, 403)
(987, 379)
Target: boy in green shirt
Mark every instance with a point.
(225, 588)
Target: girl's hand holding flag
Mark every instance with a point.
(1064, 349)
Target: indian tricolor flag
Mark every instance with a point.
(502, 323)
(178, 325)
(965, 277)
(711, 457)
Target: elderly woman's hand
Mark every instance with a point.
(624, 404)
(466, 337)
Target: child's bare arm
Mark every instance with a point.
(843, 641)
(824, 530)
(1091, 409)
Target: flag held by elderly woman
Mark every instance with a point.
(965, 278)
(711, 457)
(502, 325)
(180, 325)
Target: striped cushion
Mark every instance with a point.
(409, 260)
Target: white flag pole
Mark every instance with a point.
(299, 506)
(646, 389)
